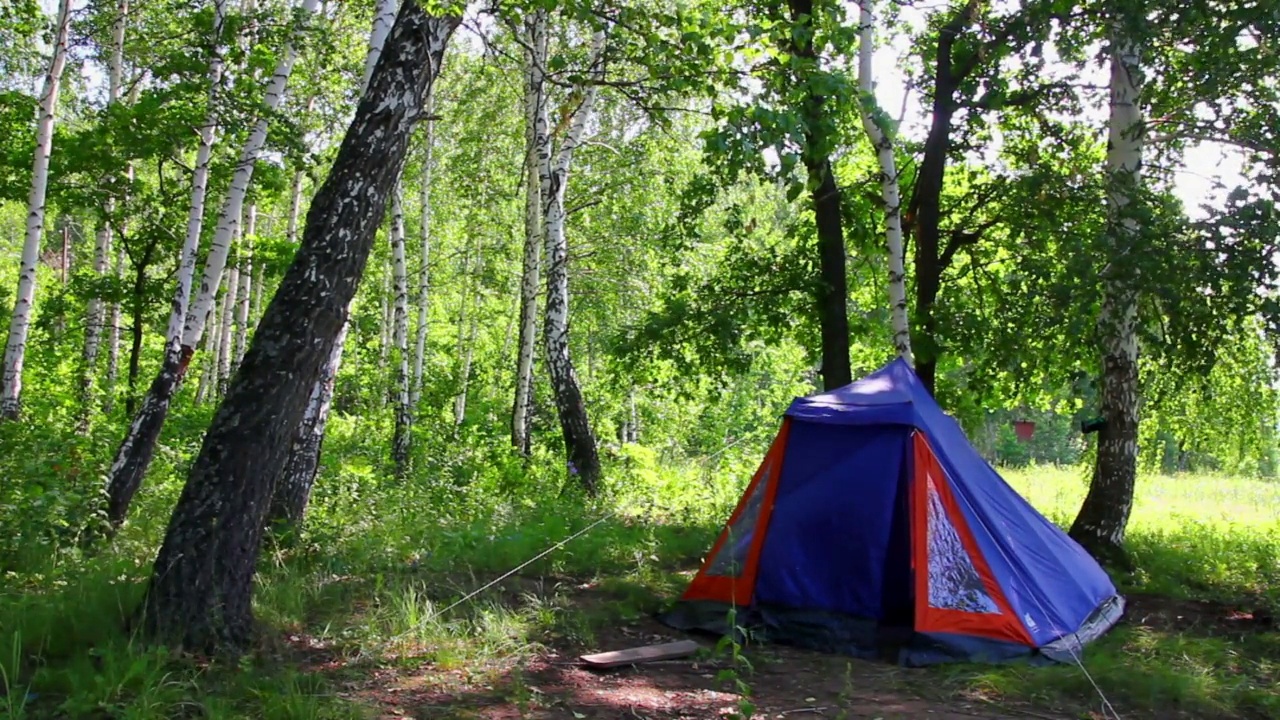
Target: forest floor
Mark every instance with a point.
(546, 680)
(385, 611)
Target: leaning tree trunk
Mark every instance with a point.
(580, 442)
(534, 97)
(96, 313)
(832, 293)
(298, 476)
(872, 118)
(1100, 526)
(400, 339)
(200, 595)
(20, 324)
(187, 320)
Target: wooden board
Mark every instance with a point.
(648, 653)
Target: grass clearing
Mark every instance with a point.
(355, 614)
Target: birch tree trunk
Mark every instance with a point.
(20, 324)
(400, 338)
(246, 284)
(201, 590)
(580, 442)
(1104, 515)
(872, 117)
(226, 328)
(209, 378)
(187, 320)
(534, 106)
(96, 313)
(298, 475)
(424, 275)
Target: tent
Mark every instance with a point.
(874, 528)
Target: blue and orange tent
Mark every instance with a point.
(874, 526)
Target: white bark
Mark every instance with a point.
(554, 177)
(1103, 517)
(233, 203)
(209, 378)
(383, 19)
(226, 347)
(872, 115)
(246, 282)
(534, 107)
(400, 334)
(424, 274)
(20, 324)
(199, 187)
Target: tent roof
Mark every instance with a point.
(891, 395)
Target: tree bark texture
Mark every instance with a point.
(400, 339)
(200, 595)
(20, 322)
(833, 292)
(1104, 515)
(579, 440)
(899, 321)
(245, 290)
(531, 271)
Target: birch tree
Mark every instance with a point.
(187, 319)
(553, 169)
(20, 323)
(245, 289)
(535, 32)
(1100, 525)
(200, 594)
(400, 338)
(875, 125)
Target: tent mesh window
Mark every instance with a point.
(954, 583)
(729, 560)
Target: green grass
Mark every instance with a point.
(365, 592)
(1194, 538)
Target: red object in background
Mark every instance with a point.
(1024, 429)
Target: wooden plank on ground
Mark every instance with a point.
(648, 653)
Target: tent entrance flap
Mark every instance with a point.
(838, 537)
